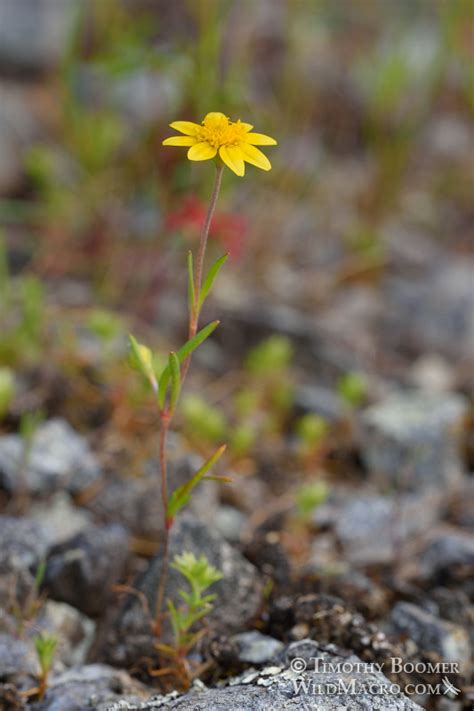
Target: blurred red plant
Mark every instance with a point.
(227, 228)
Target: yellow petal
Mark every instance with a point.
(187, 127)
(180, 141)
(260, 139)
(233, 158)
(246, 126)
(201, 151)
(255, 157)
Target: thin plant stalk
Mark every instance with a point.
(164, 427)
(194, 313)
(167, 415)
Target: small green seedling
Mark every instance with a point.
(196, 604)
(309, 497)
(204, 422)
(242, 438)
(270, 356)
(353, 388)
(7, 390)
(45, 646)
(311, 431)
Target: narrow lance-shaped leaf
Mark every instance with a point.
(191, 292)
(211, 277)
(182, 354)
(182, 494)
(142, 360)
(175, 380)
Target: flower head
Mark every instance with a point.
(232, 140)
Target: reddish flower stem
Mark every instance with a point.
(166, 416)
(164, 426)
(194, 314)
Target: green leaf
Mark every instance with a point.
(210, 278)
(182, 494)
(182, 354)
(141, 358)
(174, 616)
(191, 292)
(175, 379)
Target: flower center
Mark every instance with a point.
(218, 130)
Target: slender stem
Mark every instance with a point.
(164, 426)
(194, 314)
(166, 416)
(205, 230)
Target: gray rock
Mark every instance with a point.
(81, 571)
(452, 604)
(449, 137)
(59, 518)
(34, 33)
(24, 544)
(371, 527)
(94, 686)
(229, 522)
(431, 634)
(462, 509)
(449, 555)
(19, 127)
(74, 631)
(432, 373)
(257, 648)
(434, 312)
(59, 459)
(411, 441)
(134, 503)
(349, 322)
(18, 663)
(353, 686)
(239, 593)
(321, 401)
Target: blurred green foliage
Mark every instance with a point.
(311, 431)
(353, 388)
(309, 496)
(7, 389)
(21, 316)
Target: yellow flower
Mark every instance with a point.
(233, 141)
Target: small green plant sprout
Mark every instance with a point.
(200, 575)
(311, 432)
(353, 388)
(205, 423)
(45, 646)
(242, 439)
(7, 390)
(271, 355)
(309, 496)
